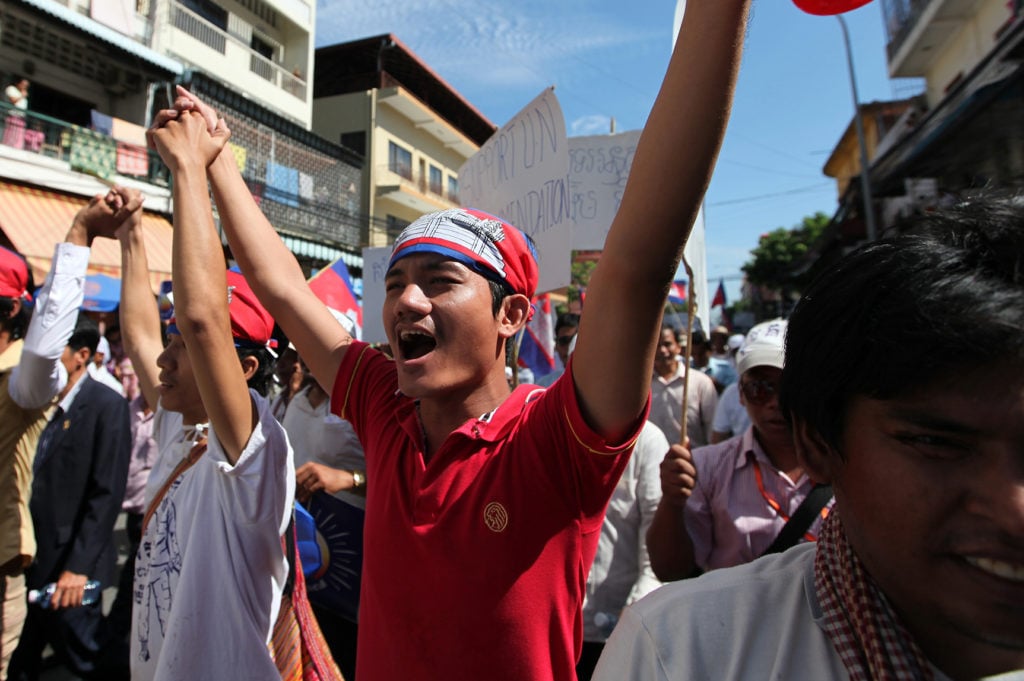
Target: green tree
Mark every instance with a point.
(581, 272)
(779, 259)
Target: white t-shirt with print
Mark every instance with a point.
(210, 568)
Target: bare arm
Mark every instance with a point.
(275, 276)
(200, 284)
(140, 318)
(667, 182)
(269, 267)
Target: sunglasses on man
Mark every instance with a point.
(563, 340)
(759, 392)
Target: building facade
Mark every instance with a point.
(377, 98)
(99, 69)
(964, 133)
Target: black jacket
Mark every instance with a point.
(79, 486)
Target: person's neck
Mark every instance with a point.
(781, 452)
(441, 415)
(315, 395)
(193, 418)
(73, 378)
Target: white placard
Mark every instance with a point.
(598, 168)
(522, 175)
(375, 266)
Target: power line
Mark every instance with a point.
(761, 197)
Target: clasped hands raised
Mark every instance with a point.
(190, 135)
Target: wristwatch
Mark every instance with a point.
(358, 479)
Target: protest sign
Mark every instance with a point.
(598, 169)
(522, 175)
(375, 266)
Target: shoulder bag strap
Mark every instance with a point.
(801, 520)
(197, 451)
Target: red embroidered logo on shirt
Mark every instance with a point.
(495, 517)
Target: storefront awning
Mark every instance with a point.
(34, 219)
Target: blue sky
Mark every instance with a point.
(606, 59)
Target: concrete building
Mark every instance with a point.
(967, 130)
(376, 97)
(98, 71)
(964, 132)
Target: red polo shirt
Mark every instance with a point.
(475, 565)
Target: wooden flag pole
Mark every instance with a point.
(691, 310)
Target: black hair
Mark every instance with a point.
(17, 325)
(263, 377)
(898, 314)
(567, 319)
(85, 335)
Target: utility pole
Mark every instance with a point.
(865, 168)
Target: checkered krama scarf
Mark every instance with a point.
(862, 625)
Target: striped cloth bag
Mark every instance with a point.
(297, 645)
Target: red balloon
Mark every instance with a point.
(829, 7)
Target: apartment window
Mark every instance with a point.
(203, 20)
(436, 181)
(400, 160)
(262, 47)
(216, 15)
(453, 189)
(263, 69)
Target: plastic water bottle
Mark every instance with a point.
(41, 597)
(606, 621)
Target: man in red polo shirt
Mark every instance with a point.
(485, 504)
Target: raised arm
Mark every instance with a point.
(268, 265)
(40, 375)
(669, 176)
(140, 318)
(200, 283)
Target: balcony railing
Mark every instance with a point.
(190, 23)
(900, 18)
(83, 149)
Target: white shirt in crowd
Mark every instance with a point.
(210, 568)
(621, 573)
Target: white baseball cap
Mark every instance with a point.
(765, 345)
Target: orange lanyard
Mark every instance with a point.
(770, 500)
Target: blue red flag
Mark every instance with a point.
(677, 292)
(333, 286)
(719, 298)
(537, 351)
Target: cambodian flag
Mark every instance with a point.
(333, 286)
(677, 292)
(537, 351)
(719, 298)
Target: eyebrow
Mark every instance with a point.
(922, 418)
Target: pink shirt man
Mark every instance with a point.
(728, 517)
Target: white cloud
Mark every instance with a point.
(590, 125)
(480, 41)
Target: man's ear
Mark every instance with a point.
(250, 365)
(82, 356)
(15, 308)
(818, 459)
(513, 315)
